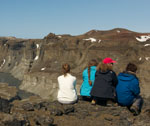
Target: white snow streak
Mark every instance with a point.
(147, 58)
(147, 45)
(43, 68)
(37, 45)
(91, 39)
(36, 58)
(99, 41)
(118, 31)
(3, 63)
(143, 38)
(140, 58)
(59, 36)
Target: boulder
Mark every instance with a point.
(7, 95)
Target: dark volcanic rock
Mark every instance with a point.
(4, 105)
(9, 79)
(68, 109)
(36, 111)
(15, 123)
(56, 112)
(44, 121)
(51, 36)
(13, 120)
(28, 107)
(7, 95)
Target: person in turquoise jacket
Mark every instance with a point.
(128, 90)
(88, 79)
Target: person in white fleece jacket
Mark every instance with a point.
(67, 92)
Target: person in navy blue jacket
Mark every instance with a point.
(103, 90)
(88, 80)
(128, 89)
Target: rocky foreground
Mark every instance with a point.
(35, 111)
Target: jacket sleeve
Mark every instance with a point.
(96, 74)
(74, 83)
(134, 87)
(58, 79)
(83, 74)
(115, 79)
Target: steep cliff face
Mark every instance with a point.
(37, 62)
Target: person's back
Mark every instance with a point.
(104, 86)
(128, 89)
(105, 82)
(67, 92)
(88, 76)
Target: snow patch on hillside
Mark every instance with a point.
(43, 68)
(143, 38)
(99, 41)
(118, 31)
(37, 46)
(140, 58)
(59, 36)
(147, 45)
(90, 39)
(3, 63)
(36, 58)
(147, 58)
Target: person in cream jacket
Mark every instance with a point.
(67, 92)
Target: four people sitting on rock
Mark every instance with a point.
(100, 84)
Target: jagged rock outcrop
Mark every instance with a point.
(46, 82)
(37, 62)
(7, 95)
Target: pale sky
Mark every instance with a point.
(37, 18)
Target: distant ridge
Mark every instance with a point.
(93, 32)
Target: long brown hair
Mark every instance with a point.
(66, 68)
(92, 62)
(104, 67)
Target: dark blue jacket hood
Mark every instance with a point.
(126, 76)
